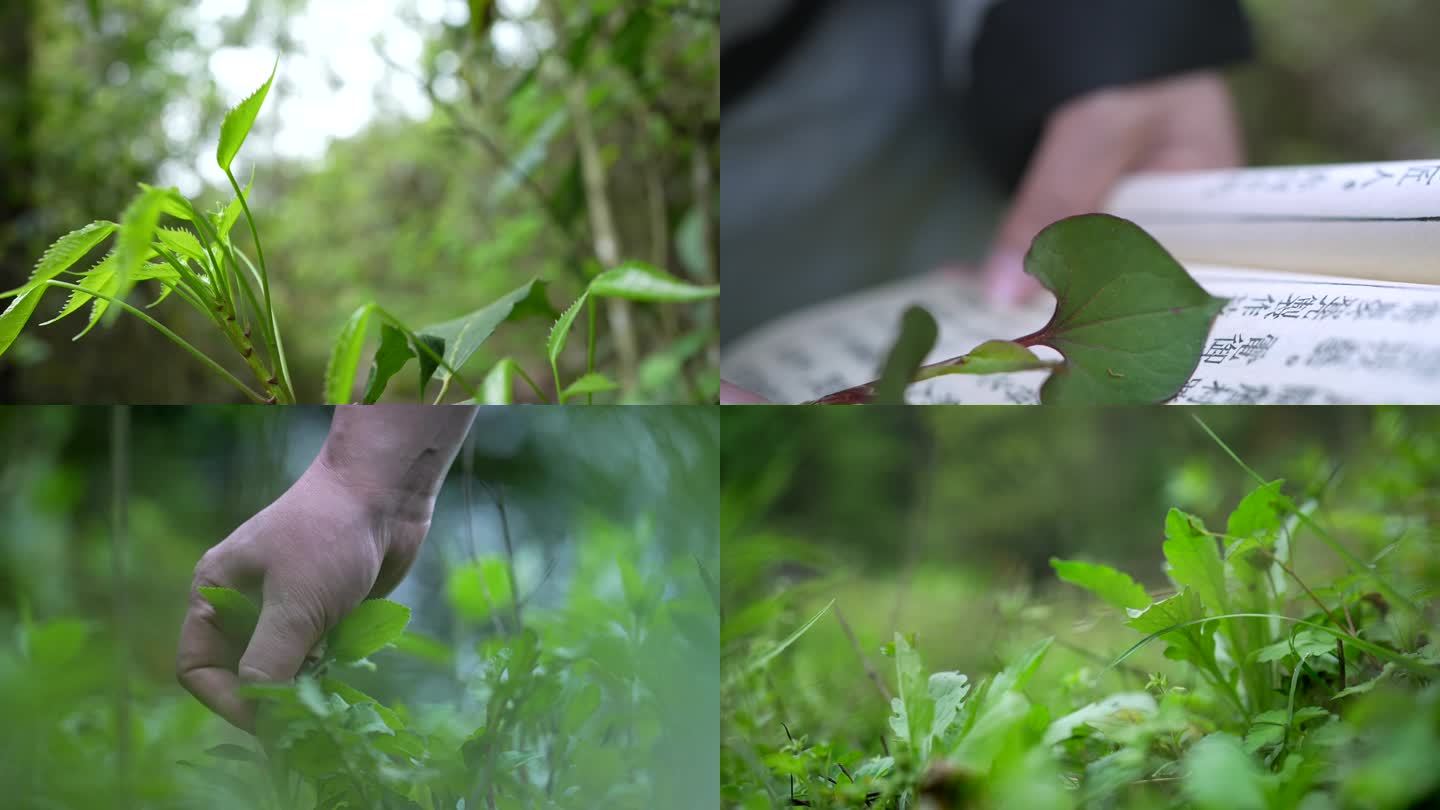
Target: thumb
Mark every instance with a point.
(1086, 148)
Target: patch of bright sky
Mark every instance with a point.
(353, 61)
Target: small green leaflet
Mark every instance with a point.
(373, 625)
(593, 383)
(238, 121)
(234, 611)
(641, 282)
(132, 246)
(392, 355)
(345, 357)
(64, 252)
(918, 333)
(15, 316)
(1115, 587)
(1194, 560)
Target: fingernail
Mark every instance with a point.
(1005, 278)
(735, 395)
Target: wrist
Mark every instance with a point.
(386, 497)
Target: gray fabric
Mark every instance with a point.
(849, 166)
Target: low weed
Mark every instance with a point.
(1274, 690)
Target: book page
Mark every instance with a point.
(1281, 339)
(1364, 220)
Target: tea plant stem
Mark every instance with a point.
(176, 339)
(265, 288)
(590, 344)
(533, 387)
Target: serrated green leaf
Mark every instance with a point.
(463, 336)
(344, 361)
(1115, 587)
(370, 627)
(1129, 320)
(1260, 513)
(182, 242)
(237, 123)
(132, 245)
(913, 709)
(918, 333)
(392, 354)
(592, 383)
(65, 252)
(15, 316)
(561, 331)
(641, 282)
(234, 611)
(1194, 560)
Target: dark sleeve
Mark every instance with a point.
(1031, 56)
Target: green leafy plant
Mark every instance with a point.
(564, 708)
(1273, 691)
(199, 262)
(1129, 322)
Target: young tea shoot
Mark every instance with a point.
(163, 240)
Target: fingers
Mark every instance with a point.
(735, 395)
(1085, 148)
(207, 658)
(283, 638)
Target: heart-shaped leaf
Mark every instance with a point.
(1130, 322)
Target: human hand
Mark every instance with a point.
(735, 395)
(348, 529)
(1181, 123)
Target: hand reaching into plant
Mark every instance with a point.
(1176, 124)
(348, 529)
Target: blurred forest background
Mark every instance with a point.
(942, 521)
(421, 153)
(108, 509)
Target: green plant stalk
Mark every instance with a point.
(1356, 564)
(590, 344)
(265, 288)
(519, 369)
(232, 331)
(176, 339)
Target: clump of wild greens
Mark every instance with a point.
(195, 259)
(594, 705)
(1274, 691)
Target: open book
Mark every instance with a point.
(1332, 275)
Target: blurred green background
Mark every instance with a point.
(420, 153)
(942, 522)
(598, 500)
